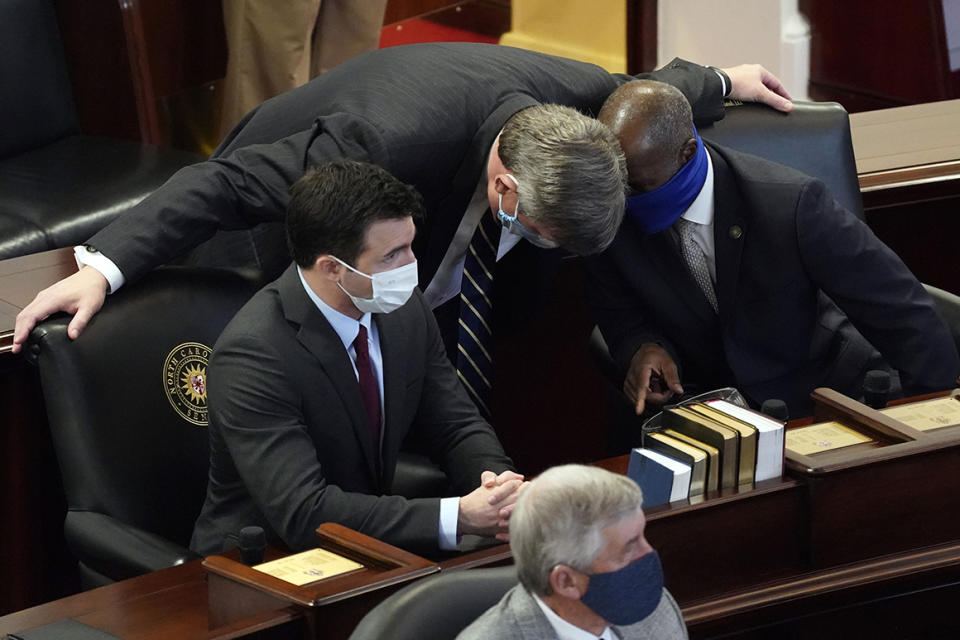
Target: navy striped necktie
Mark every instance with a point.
(475, 337)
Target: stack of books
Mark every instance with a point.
(706, 446)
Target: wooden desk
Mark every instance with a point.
(34, 562)
(174, 603)
(166, 604)
(21, 279)
(907, 146)
(739, 562)
(908, 159)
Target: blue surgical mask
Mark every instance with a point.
(628, 595)
(514, 226)
(656, 210)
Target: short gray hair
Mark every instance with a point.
(560, 518)
(572, 174)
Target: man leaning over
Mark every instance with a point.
(430, 114)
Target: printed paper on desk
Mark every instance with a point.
(927, 415)
(825, 436)
(309, 566)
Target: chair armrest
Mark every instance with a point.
(417, 477)
(948, 304)
(119, 550)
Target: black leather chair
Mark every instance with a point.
(438, 607)
(127, 423)
(127, 420)
(949, 306)
(813, 138)
(57, 186)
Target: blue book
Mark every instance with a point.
(662, 479)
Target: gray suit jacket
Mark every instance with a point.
(517, 616)
(290, 447)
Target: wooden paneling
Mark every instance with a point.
(872, 54)
(641, 36)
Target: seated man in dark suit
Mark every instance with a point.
(319, 378)
(733, 270)
(585, 567)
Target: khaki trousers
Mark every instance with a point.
(277, 45)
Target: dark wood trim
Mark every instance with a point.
(140, 71)
(641, 36)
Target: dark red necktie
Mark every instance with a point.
(368, 386)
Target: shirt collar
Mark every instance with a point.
(564, 629)
(346, 327)
(701, 209)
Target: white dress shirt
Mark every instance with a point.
(700, 212)
(568, 631)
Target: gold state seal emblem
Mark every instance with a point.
(185, 381)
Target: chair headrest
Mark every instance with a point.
(436, 607)
(813, 138)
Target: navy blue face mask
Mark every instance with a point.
(656, 210)
(628, 595)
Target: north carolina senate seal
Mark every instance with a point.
(185, 381)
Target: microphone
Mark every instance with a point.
(253, 542)
(876, 387)
(776, 409)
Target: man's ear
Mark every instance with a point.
(688, 150)
(503, 184)
(327, 267)
(568, 583)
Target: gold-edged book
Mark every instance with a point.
(705, 430)
(748, 439)
(713, 457)
(673, 448)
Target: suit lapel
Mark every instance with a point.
(729, 230)
(319, 338)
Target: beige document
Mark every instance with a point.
(309, 566)
(927, 415)
(825, 436)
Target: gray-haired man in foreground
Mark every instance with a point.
(586, 570)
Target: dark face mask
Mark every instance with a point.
(628, 595)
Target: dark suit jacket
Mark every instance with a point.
(289, 442)
(785, 253)
(428, 113)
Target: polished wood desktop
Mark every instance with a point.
(907, 146)
(191, 600)
(908, 160)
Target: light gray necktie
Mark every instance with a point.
(696, 260)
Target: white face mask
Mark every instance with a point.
(391, 289)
